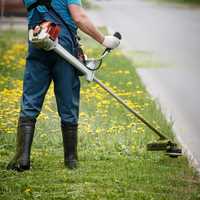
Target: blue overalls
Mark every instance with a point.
(42, 67)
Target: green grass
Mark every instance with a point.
(143, 59)
(86, 3)
(180, 2)
(113, 161)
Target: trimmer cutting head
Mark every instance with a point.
(169, 147)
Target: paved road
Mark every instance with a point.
(180, 101)
(172, 33)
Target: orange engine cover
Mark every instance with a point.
(52, 29)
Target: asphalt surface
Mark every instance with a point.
(171, 32)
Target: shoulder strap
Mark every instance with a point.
(50, 7)
(72, 34)
(46, 3)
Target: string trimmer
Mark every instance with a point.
(45, 36)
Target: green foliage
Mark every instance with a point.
(113, 161)
(186, 1)
(183, 2)
(86, 3)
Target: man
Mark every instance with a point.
(42, 67)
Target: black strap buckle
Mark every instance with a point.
(46, 3)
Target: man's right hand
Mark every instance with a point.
(111, 42)
(84, 23)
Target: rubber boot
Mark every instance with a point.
(69, 134)
(25, 132)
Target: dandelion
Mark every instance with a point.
(129, 83)
(28, 190)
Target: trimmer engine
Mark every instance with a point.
(44, 35)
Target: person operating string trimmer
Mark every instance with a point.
(42, 67)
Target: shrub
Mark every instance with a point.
(86, 3)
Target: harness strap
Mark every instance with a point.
(47, 4)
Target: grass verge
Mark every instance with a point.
(113, 161)
(192, 3)
(86, 3)
(142, 59)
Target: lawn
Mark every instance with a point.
(113, 161)
(181, 2)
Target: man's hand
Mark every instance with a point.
(111, 42)
(84, 23)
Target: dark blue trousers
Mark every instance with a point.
(42, 67)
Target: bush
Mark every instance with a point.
(86, 3)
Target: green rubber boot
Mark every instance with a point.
(69, 134)
(25, 133)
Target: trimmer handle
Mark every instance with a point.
(117, 35)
